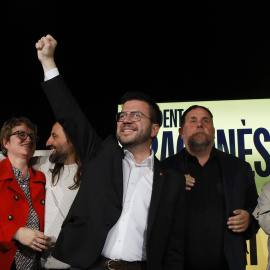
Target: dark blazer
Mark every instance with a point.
(98, 204)
(240, 193)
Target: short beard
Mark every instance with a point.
(139, 139)
(59, 157)
(196, 146)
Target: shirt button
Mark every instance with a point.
(10, 217)
(16, 198)
(42, 201)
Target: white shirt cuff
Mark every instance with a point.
(51, 74)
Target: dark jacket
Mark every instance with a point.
(98, 204)
(240, 193)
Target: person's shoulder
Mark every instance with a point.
(169, 168)
(233, 162)
(266, 186)
(171, 161)
(4, 164)
(41, 163)
(178, 155)
(230, 157)
(110, 145)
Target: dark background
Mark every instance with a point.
(172, 50)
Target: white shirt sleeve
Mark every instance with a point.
(51, 74)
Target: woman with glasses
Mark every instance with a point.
(21, 198)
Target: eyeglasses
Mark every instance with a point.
(23, 135)
(133, 116)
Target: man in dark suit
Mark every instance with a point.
(128, 213)
(220, 197)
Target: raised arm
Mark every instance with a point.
(66, 109)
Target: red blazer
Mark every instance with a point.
(14, 208)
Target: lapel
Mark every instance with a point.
(227, 174)
(6, 174)
(158, 182)
(36, 179)
(37, 191)
(118, 172)
(181, 162)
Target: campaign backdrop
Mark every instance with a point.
(242, 129)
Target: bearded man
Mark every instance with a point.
(63, 178)
(220, 197)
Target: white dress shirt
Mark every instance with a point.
(126, 239)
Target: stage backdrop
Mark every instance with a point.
(242, 129)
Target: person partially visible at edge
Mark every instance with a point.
(220, 197)
(22, 195)
(262, 214)
(127, 213)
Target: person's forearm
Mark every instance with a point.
(48, 64)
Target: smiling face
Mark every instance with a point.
(17, 147)
(198, 130)
(60, 146)
(132, 134)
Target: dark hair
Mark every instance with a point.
(183, 118)
(58, 166)
(10, 124)
(154, 111)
